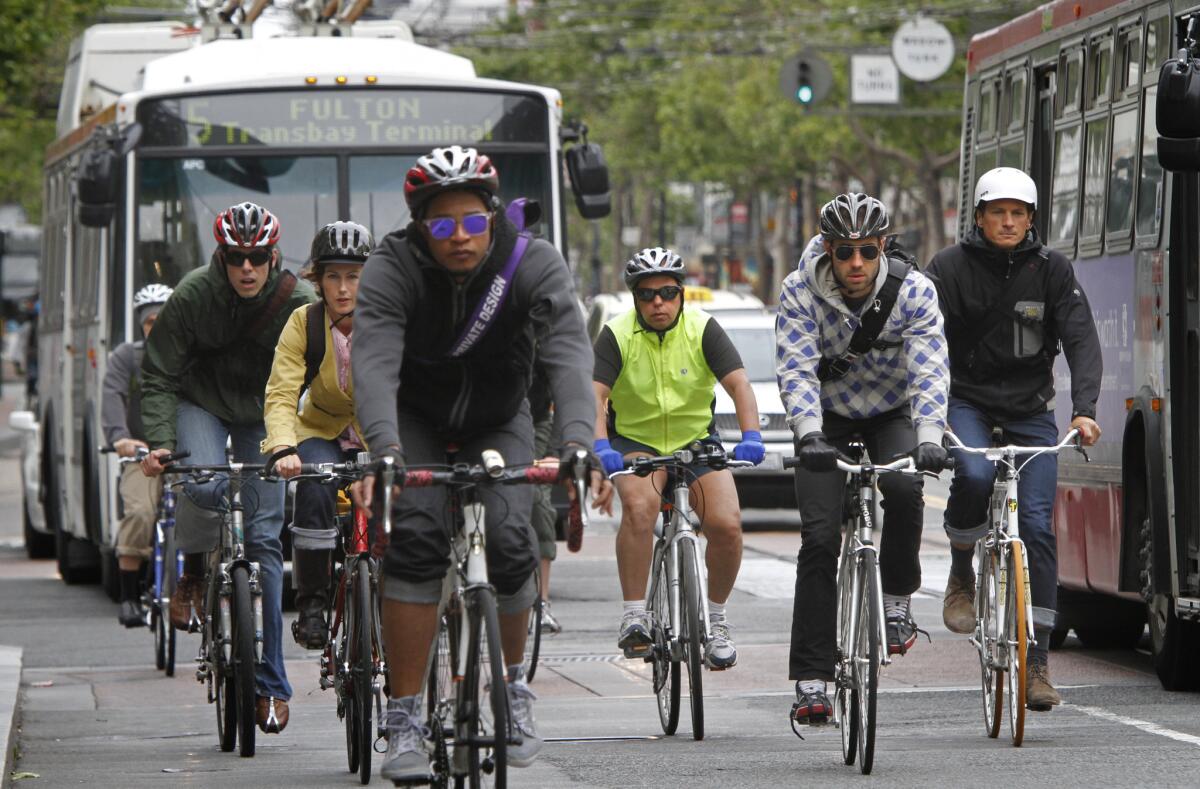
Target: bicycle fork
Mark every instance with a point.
(225, 602)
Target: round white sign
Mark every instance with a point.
(923, 49)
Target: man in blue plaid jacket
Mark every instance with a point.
(892, 397)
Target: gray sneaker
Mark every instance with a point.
(520, 705)
(634, 639)
(406, 760)
(550, 625)
(719, 652)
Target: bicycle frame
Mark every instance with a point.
(858, 541)
(164, 523)
(678, 532)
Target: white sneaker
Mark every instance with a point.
(719, 652)
(634, 639)
(520, 705)
(406, 760)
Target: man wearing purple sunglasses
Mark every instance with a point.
(450, 310)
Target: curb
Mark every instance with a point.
(10, 688)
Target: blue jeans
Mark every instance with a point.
(971, 490)
(203, 435)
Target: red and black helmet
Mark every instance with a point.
(246, 226)
(447, 168)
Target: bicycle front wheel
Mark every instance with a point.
(533, 644)
(438, 689)
(690, 593)
(665, 669)
(845, 690)
(988, 606)
(483, 700)
(1017, 639)
(362, 666)
(243, 658)
(866, 660)
(225, 694)
(170, 577)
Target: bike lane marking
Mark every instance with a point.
(1146, 726)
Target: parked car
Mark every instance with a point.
(767, 485)
(39, 541)
(607, 306)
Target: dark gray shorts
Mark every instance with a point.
(626, 445)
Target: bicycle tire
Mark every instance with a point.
(439, 688)
(665, 671)
(693, 613)
(363, 667)
(338, 647)
(483, 703)
(243, 659)
(869, 628)
(222, 677)
(534, 641)
(1017, 630)
(170, 576)
(160, 635)
(845, 694)
(987, 612)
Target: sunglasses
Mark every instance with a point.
(846, 251)
(257, 257)
(666, 293)
(442, 227)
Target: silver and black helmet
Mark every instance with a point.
(342, 242)
(852, 216)
(649, 262)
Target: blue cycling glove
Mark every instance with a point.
(750, 447)
(610, 459)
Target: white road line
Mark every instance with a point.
(1146, 726)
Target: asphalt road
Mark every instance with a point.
(93, 711)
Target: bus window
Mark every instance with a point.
(1070, 70)
(1150, 180)
(1095, 176)
(1064, 198)
(1014, 100)
(987, 109)
(1129, 52)
(1120, 179)
(985, 160)
(1013, 154)
(1099, 71)
(1158, 47)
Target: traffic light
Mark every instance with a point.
(804, 88)
(805, 79)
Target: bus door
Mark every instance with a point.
(1042, 159)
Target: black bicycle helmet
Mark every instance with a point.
(341, 242)
(649, 262)
(853, 216)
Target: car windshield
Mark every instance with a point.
(756, 345)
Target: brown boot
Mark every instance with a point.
(189, 592)
(1040, 695)
(271, 714)
(958, 606)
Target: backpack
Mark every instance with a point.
(869, 328)
(314, 343)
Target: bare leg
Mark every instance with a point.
(408, 631)
(640, 505)
(545, 585)
(129, 564)
(715, 500)
(513, 630)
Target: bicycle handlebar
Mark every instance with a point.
(904, 465)
(643, 466)
(996, 453)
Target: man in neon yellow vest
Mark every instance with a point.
(656, 366)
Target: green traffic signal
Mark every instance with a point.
(804, 94)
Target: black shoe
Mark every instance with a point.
(310, 630)
(812, 708)
(132, 614)
(902, 634)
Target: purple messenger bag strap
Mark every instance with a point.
(493, 299)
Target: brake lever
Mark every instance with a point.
(388, 478)
(1079, 448)
(581, 479)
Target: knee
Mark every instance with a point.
(725, 528)
(901, 490)
(638, 515)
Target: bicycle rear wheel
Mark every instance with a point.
(693, 613)
(988, 605)
(845, 690)
(870, 623)
(362, 666)
(533, 644)
(1017, 632)
(243, 658)
(665, 670)
(483, 699)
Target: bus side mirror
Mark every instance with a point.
(97, 176)
(1177, 115)
(589, 180)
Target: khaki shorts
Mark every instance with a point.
(139, 500)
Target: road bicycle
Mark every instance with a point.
(1003, 609)
(861, 632)
(677, 601)
(466, 698)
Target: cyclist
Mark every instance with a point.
(892, 396)
(656, 366)
(121, 421)
(429, 371)
(204, 374)
(324, 430)
(1009, 302)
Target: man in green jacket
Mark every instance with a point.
(203, 381)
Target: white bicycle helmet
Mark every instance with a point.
(649, 262)
(153, 295)
(1006, 183)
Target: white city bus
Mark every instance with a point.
(164, 125)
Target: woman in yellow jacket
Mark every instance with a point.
(323, 429)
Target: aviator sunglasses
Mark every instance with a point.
(666, 293)
(257, 257)
(846, 251)
(442, 227)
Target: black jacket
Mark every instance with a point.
(410, 311)
(1009, 371)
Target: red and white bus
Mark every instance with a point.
(1068, 93)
